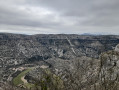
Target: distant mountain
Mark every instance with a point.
(87, 34)
(96, 34)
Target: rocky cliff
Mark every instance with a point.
(81, 62)
(43, 47)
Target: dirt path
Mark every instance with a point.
(24, 80)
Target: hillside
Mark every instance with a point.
(68, 62)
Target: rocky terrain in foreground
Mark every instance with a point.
(59, 62)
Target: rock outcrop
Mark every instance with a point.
(81, 62)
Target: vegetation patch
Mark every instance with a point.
(29, 85)
(17, 80)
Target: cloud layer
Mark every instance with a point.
(59, 16)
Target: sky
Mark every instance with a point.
(59, 16)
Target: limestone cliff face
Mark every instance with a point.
(85, 62)
(61, 46)
(110, 64)
(117, 48)
(109, 70)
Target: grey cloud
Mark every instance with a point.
(15, 17)
(98, 12)
(66, 15)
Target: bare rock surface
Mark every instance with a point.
(81, 62)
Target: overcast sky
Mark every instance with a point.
(59, 16)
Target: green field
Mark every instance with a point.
(45, 80)
(17, 80)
